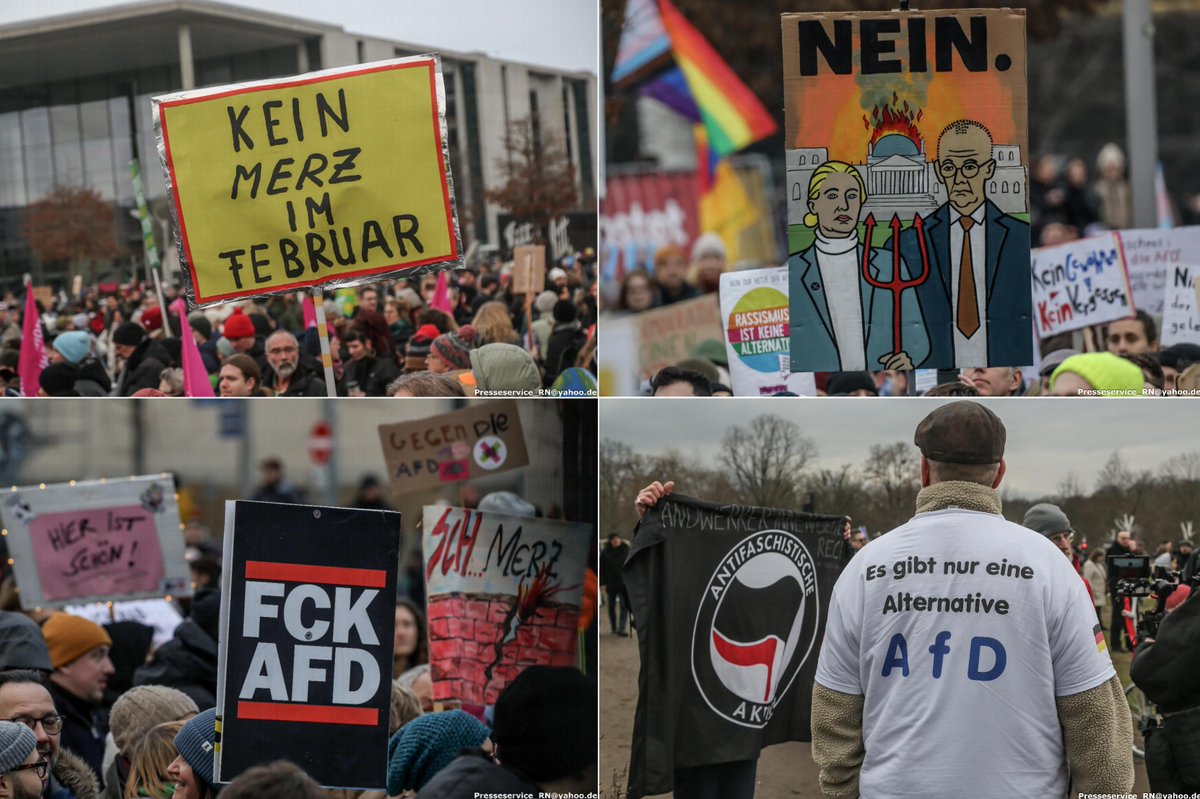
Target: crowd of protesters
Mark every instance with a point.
(1066, 203)
(90, 711)
(392, 338)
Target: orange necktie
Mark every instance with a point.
(968, 306)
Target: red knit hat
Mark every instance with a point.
(152, 319)
(238, 325)
(427, 332)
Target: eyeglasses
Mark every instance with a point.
(40, 768)
(970, 169)
(51, 724)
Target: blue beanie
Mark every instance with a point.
(16, 742)
(74, 345)
(426, 745)
(196, 743)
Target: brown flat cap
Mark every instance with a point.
(961, 432)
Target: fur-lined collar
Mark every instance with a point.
(958, 494)
(76, 775)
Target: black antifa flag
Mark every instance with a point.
(730, 604)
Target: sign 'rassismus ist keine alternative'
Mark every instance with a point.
(307, 625)
(318, 179)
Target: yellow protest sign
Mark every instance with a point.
(325, 178)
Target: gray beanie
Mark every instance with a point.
(1047, 519)
(16, 742)
(196, 743)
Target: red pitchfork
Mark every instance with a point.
(897, 284)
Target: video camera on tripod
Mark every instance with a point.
(1135, 579)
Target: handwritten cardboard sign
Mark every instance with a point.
(1181, 317)
(503, 594)
(529, 269)
(318, 179)
(1149, 256)
(1079, 284)
(485, 438)
(98, 540)
(754, 306)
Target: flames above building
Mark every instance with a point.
(894, 117)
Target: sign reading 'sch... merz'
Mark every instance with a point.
(95, 540)
(307, 625)
(504, 594)
(318, 179)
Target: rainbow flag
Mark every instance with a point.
(700, 85)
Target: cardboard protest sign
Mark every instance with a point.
(1080, 283)
(754, 306)
(667, 335)
(503, 593)
(1149, 256)
(485, 438)
(730, 603)
(529, 269)
(318, 179)
(305, 656)
(1181, 317)
(96, 540)
(899, 124)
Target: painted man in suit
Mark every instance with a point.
(978, 299)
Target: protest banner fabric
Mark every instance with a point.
(1149, 256)
(754, 306)
(322, 179)
(730, 602)
(1181, 314)
(96, 540)
(443, 450)
(307, 631)
(159, 614)
(899, 124)
(503, 593)
(1079, 284)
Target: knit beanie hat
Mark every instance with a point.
(545, 723)
(238, 325)
(455, 347)
(199, 322)
(1103, 371)
(16, 742)
(144, 707)
(427, 744)
(21, 643)
(564, 311)
(128, 334)
(152, 319)
(73, 345)
(71, 637)
(419, 346)
(58, 380)
(545, 302)
(196, 744)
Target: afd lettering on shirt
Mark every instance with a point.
(302, 612)
(897, 657)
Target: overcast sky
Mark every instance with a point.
(563, 34)
(1047, 439)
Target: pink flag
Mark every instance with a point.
(310, 312)
(33, 346)
(195, 376)
(441, 295)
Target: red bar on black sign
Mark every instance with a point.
(315, 714)
(324, 575)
